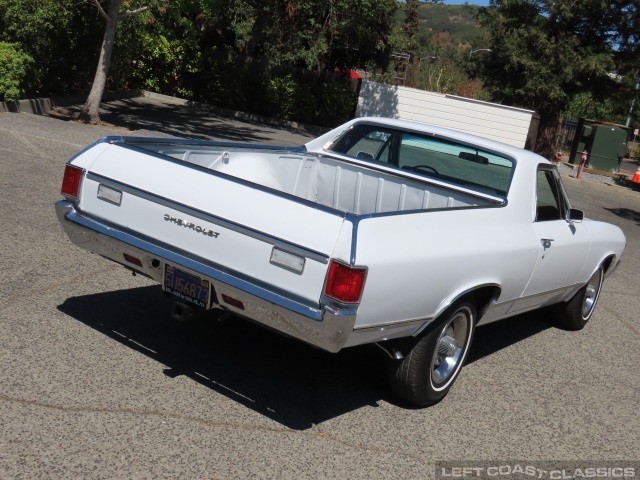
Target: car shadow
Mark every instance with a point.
(496, 336)
(626, 213)
(285, 380)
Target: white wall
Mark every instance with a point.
(497, 122)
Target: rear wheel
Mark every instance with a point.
(574, 314)
(433, 363)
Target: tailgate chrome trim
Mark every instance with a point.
(325, 327)
(207, 217)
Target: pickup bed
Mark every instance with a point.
(381, 231)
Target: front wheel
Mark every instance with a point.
(433, 363)
(574, 314)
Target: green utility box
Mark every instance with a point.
(605, 143)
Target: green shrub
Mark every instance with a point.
(239, 85)
(281, 96)
(15, 69)
(635, 154)
(306, 108)
(336, 102)
(231, 84)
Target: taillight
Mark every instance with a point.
(345, 283)
(71, 181)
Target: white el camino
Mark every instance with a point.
(381, 231)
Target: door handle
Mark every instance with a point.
(546, 242)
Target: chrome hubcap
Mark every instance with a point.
(449, 348)
(591, 293)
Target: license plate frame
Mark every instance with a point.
(186, 286)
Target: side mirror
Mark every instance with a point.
(575, 215)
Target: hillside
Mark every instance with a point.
(456, 20)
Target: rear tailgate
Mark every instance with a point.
(232, 223)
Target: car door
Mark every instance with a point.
(563, 244)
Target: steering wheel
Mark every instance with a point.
(421, 167)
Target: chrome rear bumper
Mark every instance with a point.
(325, 327)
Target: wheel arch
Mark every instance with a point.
(609, 264)
(483, 296)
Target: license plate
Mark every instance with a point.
(186, 286)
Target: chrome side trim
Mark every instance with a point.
(325, 327)
(575, 286)
(500, 304)
(400, 323)
(207, 143)
(207, 217)
(355, 221)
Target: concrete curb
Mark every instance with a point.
(41, 106)
(618, 176)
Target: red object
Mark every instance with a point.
(636, 177)
(345, 283)
(71, 181)
(132, 259)
(233, 301)
(583, 161)
(348, 73)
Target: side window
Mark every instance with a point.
(374, 145)
(549, 203)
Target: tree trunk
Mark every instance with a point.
(548, 131)
(91, 110)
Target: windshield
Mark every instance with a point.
(460, 164)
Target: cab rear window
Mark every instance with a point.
(460, 164)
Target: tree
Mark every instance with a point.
(90, 112)
(59, 35)
(411, 27)
(439, 68)
(585, 105)
(313, 34)
(544, 52)
(628, 61)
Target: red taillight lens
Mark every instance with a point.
(345, 283)
(71, 181)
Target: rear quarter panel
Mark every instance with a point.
(607, 240)
(419, 263)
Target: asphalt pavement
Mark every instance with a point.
(97, 382)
